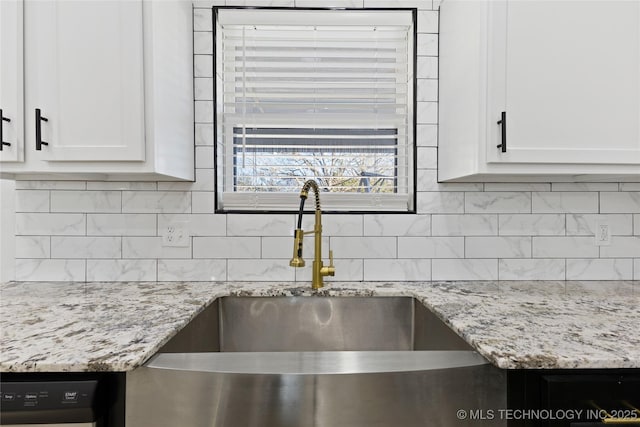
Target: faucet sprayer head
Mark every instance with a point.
(297, 260)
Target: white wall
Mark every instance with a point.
(111, 231)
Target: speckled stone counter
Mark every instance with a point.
(56, 327)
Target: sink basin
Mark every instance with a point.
(291, 324)
(316, 362)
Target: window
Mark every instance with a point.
(315, 94)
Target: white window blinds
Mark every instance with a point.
(315, 94)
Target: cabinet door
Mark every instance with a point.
(11, 80)
(84, 71)
(567, 74)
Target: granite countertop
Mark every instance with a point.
(58, 327)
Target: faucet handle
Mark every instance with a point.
(331, 269)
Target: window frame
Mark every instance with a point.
(413, 146)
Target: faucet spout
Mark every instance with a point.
(318, 267)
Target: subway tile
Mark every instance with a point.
(517, 186)
(427, 45)
(532, 269)
(427, 135)
(329, 3)
(630, 186)
(193, 270)
(585, 224)
(427, 21)
(282, 247)
(260, 225)
(196, 224)
(364, 247)
(50, 224)
(397, 269)
(565, 202)
(85, 247)
(203, 202)
(497, 247)
(203, 65)
(86, 201)
(498, 202)
(32, 200)
(54, 270)
(636, 272)
(51, 185)
(122, 270)
(203, 111)
(202, 20)
(428, 181)
(599, 269)
(564, 247)
(418, 4)
(202, 4)
(427, 67)
(156, 202)
(121, 224)
(204, 134)
(636, 224)
(584, 186)
(440, 202)
(338, 225)
(464, 225)
(204, 157)
(151, 247)
(203, 88)
(622, 247)
(427, 91)
(397, 225)
(464, 269)
(621, 202)
(259, 270)
(427, 112)
(226, 247)
(427, 158)
(203, 43)
(121, 185)
(531, 225)
(33, 247)
(430, 247)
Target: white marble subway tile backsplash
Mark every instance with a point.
(532, 269)
(114, 270)
(532, 225)
(599, 269)
(86, 201)
(564, 247)
(112, 231)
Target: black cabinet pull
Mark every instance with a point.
(503, 122)
(3, 119)
(39, 119)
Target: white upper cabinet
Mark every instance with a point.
(108, 89)
(564, 75)
(83, 63)
(11, 81)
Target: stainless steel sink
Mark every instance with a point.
(313, 361)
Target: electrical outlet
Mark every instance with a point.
(603, 233)
(175, 234)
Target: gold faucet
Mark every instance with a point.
(319, 271)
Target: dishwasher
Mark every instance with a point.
(50, 403)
